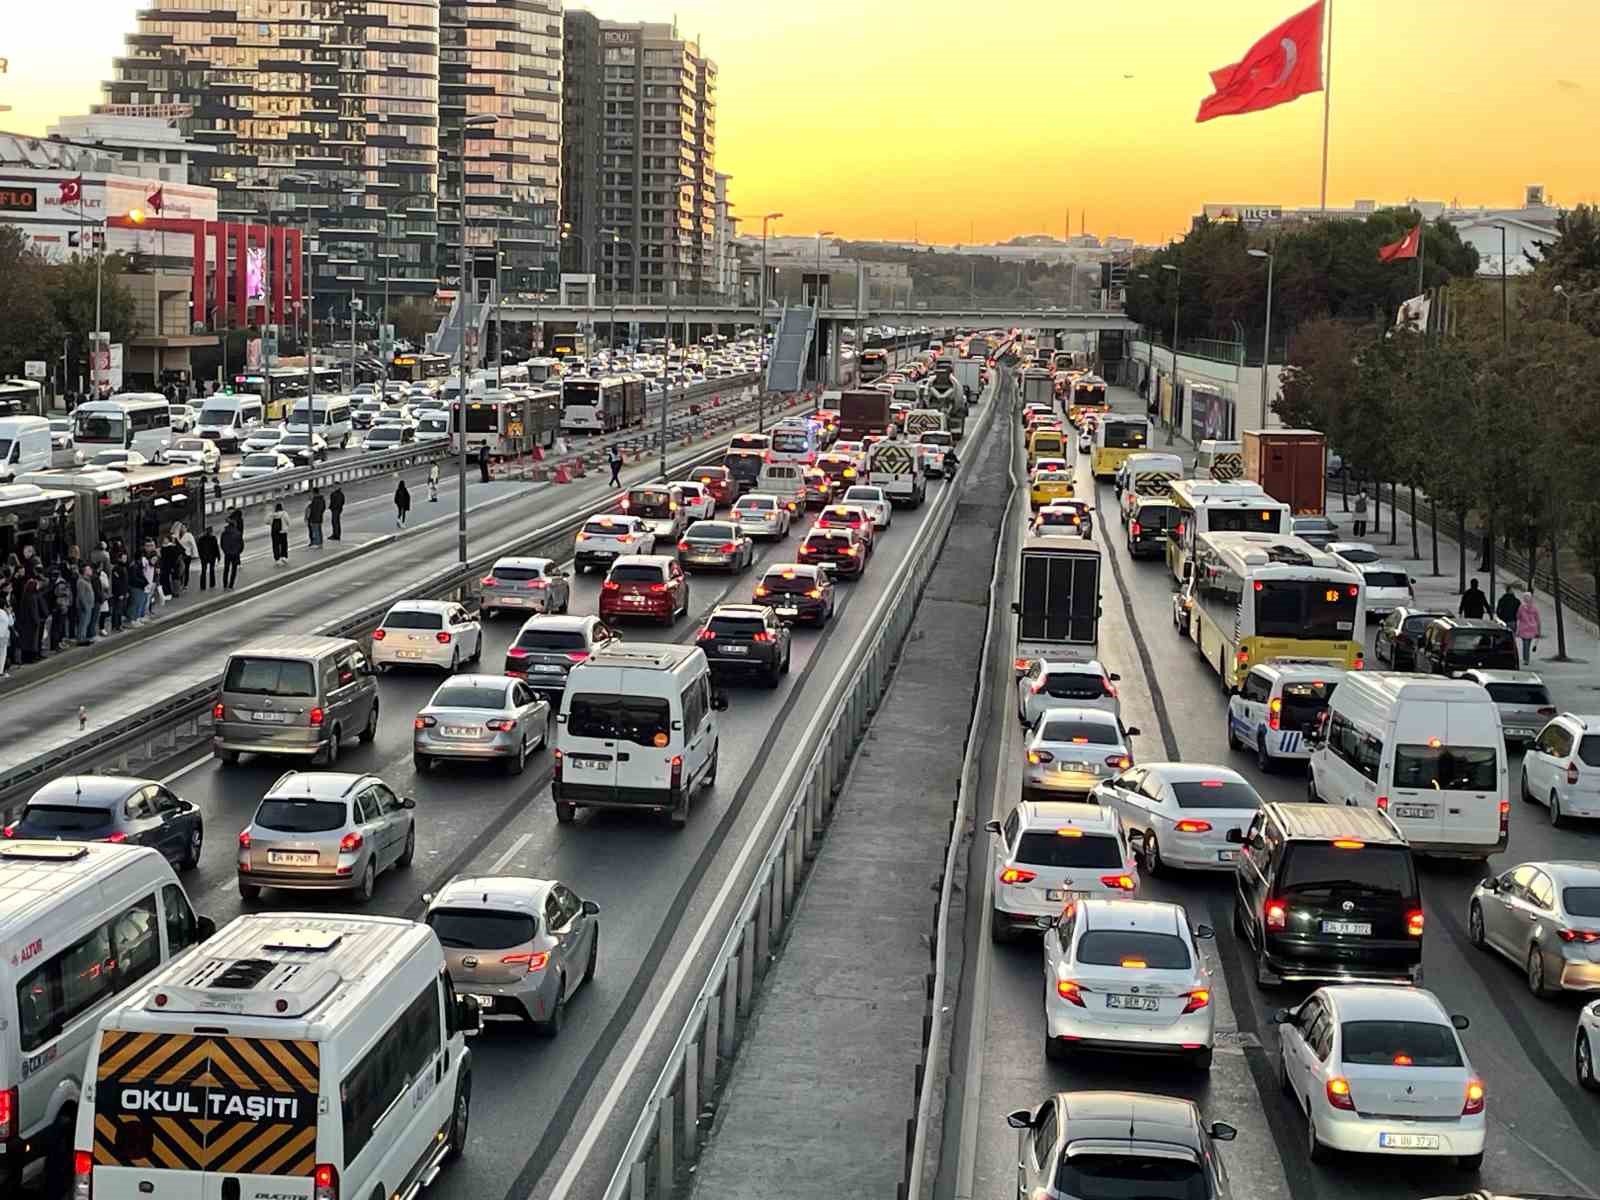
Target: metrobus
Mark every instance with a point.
(509, 423)
(139, 421)
(1258, 596)
(130, 505)
(605, 405)
(1117, 436)
(1206, 506)
(419, 368)
(41, 517)
(280, 387)
(542, 370)
(1088, 395)
(874, 365)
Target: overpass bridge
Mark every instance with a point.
(516, 309)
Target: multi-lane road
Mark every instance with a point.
(1544, 1131)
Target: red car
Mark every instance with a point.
(836, 550)
(847, 516)
(644, 585)
(720, 482)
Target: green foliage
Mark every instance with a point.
(27, 318)
(1570, 261)
(72, 295)
(413, 319)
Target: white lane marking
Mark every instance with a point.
(184, 770)
(514, 850)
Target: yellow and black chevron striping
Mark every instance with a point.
(1154, 483)
(196, 1102)
(1225, 468)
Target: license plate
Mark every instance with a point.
(1059, 894)
(1226, 855)
(1349, 928)
(484, 1002)
(274, 718)
(547, 668)
(1520, 732)
(1136, 1003)
(1409, 1141)
(1422, 811)
(634, 599)
(517, 600)
(292, 858)
(788, 612)
(408, 654)
(462, 731)
(584, 764)
(736, 649)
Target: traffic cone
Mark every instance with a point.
(538, 454)
(561, 475)
(577, 467)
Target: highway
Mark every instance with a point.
(1544, 1132)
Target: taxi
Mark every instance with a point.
(1045, 486)
(1046, 441)
(843, 469)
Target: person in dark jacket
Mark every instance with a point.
(280, 535)
(138, 589)
(314, 514)
(402, 504)
(119, 590)
(1505, 608)
(1474, 604)
(236, 519)
(483, 463)
(210, 551)
(336, 512)
(232, 547)
(171, 566)
(30, 613)
(63, 596)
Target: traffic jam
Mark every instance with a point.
(1407, 752)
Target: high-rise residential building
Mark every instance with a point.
(656, 96)
(725, 254)
(582, 122)
(323, 114)
(502, 59)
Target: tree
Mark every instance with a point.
(413, 319)
(27, 318)
(1571, 261)
(71, 290)
(1320, 375)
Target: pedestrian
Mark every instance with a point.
(1505, 608)
(102, 597)
(191, 551)
(280, 535)
(314, 514)
(1361, 513)
(336, 512)
(27, 613)
(232, 551)
(433, 484)
(86, 605)
(6, 623)
(236, 519)
(614, 457)
(99, 556)
(119, 590)
(1473, 602)
(63, 596)
(483, 462)
(1528, 627)
(210, 551)
(138, 588)
(171, 567)
(402, 504)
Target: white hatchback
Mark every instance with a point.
(874, 500)
(695, 501)
(1047, 685)
(1048, 852)
(1561, 768)
(1188, 815)
(1388, 587)
(427, 633)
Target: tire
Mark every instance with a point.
(787, 655)
(594, 958)
(249, 892)
(1315, 1150)
(1284, 1085)
(516, 764)
(1055, 1050)
(1233, 739)
(330, 753)
(1475, 933)
(1558, 819)
(1150, 855)
(410, 852)
(1000, 931)
(370, 733)
(58, 1165)
(1583, 1063)
(460, 1119)
(1527, 796)
(710, 779)
(1536, 975)
(421, 763)
(773, 678)
(566, 814)
(551, 1026)
(455, 661)
(228, 757)
(1263, 759)
(191, 854)
(362, 893)
(1311, 788)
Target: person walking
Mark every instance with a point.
(7, 621)
(190, 549)
(336, 512)
(614, 457)
(433, 484)
(1528, 627)
(1505, 608)
(280, 535)
(1361, 513)
(402, 504)
(232, 546)
(86, 606)
(210, 551)
(314, 514)
(236, 519)
(1474, 604)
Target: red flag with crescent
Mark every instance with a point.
(1284, 64)
(155, 200)
(1406, 247)
(71, 190)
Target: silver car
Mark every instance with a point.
(1072, 749)
(521, 947)
(1545, 918)
(325, 831)
(479, 717)
(761, 514)
(526, 585)
(716, 544)
(1522, 698)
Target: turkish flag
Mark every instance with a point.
(1284, 64)
(1406, 247)
(71, 190)
(155, 200)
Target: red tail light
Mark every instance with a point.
(1135, 529)
(1276, 914)
(1383, 803)
(119, 837)
(1035, 757)
(556, 772)
(516, 652)
(83, 1170)
(577, 656)
(683, 546)
(1274, 713)
(9, 831)
(1359, 663)
(727, 548)
(1036, 686)
(1017, 875)
(244, 839)
(625, 538)
(1547, 711)
(325, 1182)
(442, 638)
(705, 635)
(762, 636)
(1572, 772)
(1122, 883)
(1069, 991)
(1414, 921)
(806, 548)
(350, 843)
(1586, 936)
(534, 585)
(677, 771)
(1192, 826)
(218, 712)
(1120, 761)
(1474, 1098)
(317, 716)
(10, 1114)
(1107, 688)
(1339, 1093)
(610, 585)
(1196, 1000)
(489, 581)
(378, 635)
(501, 724)
(1505, 819)
(534, 960)
(658, 588)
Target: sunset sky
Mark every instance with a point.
(894, 118)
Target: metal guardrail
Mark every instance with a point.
(668, 1133)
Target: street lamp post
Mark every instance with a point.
(1266, 338)
(460, 419)
(1150, 364)
(1505, 332)
(666, 351)
(761, 292)
(616, 240)
(1177, 290)
(1565, 296)
(816, 336)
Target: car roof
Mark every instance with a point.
(292, 645)
(483, 680)
(1049, 814)
(92, 791)
(1341, 547)
(494, 892)
(1377, 1002)
(317, 785)
(563, 621)
(539, 564)
(1570, 871)
(1092, 716)
(1325, 822)
(1473, 623)
(432, 606)
(807, 569)
(1301, 668)
(740, 610)
(1091, 667)
(1487, 675)
(1141, 1116)
(643, 560)
(1149, 916)
(1187, 772)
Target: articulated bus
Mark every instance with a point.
(1258, 596)
(874, 365)
(1205, 506)
(509, 423)
(419, 368)
(1117, 437)
(590, 405)
(1088, 395)
(280, 387)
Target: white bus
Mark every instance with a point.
(542, 370)
(139, 421)
(328, 416)
(1205, 506)
(590, 405)
(509, 422)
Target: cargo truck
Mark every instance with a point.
(1058, 601)
(1291, 465)
(863, 413)
(969, 373)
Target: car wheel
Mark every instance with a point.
(519, 761)
(566, 814)
(1315, 1150)
(1150, 855)
(455, 661)
(1583, 1062)
(363, 891)
(1233, 739)
(1311, 788)
(410, 852)
(773, 679)
(459, 1120)
(191, 854)
(1263, 759)
(1000, 931)
(551, 1026)
(1527, 796)
(249, 892)
(371, 731)
(330, 752)
(1557, 817)
(230, 757)
(594, 957)
(787, 655)
(1284, 1085)
(421, 763)
(711, 775)
(1200, 1061)
(1536, 974)
(1055, 1049)
(1475, 932)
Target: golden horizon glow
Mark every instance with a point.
(923, 118)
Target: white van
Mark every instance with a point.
(229, 419)
(294, 1056)
(793, 442)
(24, 446)
(328, 416)
(1429, 751)
(80, 922)
(637, 730)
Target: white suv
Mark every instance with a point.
(604, 539)
(1050, 851)
(1278, 704)
(1561, 768)
(1047, 685)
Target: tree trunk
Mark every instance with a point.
(1433, 529)
(1377, 507)
(1489, 545)
(1394, 518)
(1533, 557)
(1416, 551)
(1461, 544)
(1555, 590)
(1344, 484)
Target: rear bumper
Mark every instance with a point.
(256, 739)
(1187, 1032)
(1356, 1133)
(1479, 850)
(502, 745)
(805, 610)
(594, 558)
(589, 795)
(757, 665)
(655, 608)
(1388, 962)
(530, 603)
(290, 881)
(843, 568)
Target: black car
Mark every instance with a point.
(547, 647)
(1149, 525)
(746, 639)
(835, 550)
(1395, 643)
(114, 808)
(1327, 894)
(797, 592)
(1451, 644)
(1315, 529)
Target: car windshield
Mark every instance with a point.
(1049, 848)
(1113, 947)
(470, 695)
(1578, 901)
(1127, 1176)
(643, 720)
(1216, 793)
(636, 573)
(705, 531)
(301, 816)
(385, 433)
(217, 414)
(270, 677)
(481, 929)
(64, 818)
(1446, 768)
(187, 444)
(410, 618)
(1079, 732)
(1320, 867)
(1534, 694)
(1399, 1043)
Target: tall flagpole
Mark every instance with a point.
(1422, 229)
(1327, 94)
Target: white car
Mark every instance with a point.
(117, 460)
(1048, 685)
(427, 633)
(695, 501)
(1381, 1070)
(1387, 587)
(1189, 815)
(180, 418)
(196, 452)
(1586, 1046)
(1085, 442)
(1354, 554)
(389, 436)
(254, 466)
(1279, 704)
(1049, 852)
(761, 515)
(1126, 976)
(1071, 749)
(1561, 767)
(262, 439)
(606, 538)
(874, 499)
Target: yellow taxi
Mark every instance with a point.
(1046, 442)
(844, 469)
(1047, 485)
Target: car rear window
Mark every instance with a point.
(737, 626)
(402, 618)
(650, 504)
(1581, 901)
(755, 502)
(1051, 849)
(1446, 768)
(607, 528)
(637, 719)
(1399, 1043)
(269, 677)
(1111, 947)
(1303, 702)
(1464, 645)
(711, 474)
(1317, 867)
(63, 818)
(1074, 685)
(517, 574)
(1415, 625)
(1128, 1176)
(1388, 579)
(1518, 693)
(795, 583)
(301, 816)
(469, 695)
(1156, 516)
(480, 929)
(1095, 733)
(637, 573)
(1216, 793)
(828, 537)
(712, 533)
(552, 639)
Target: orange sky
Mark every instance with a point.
(884, 118)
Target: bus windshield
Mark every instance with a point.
(1309, 609)
(581, 393)
(100, 427)
(1124, 435)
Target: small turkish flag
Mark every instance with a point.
(71, 190)
(154, 200)
(1406, 247)
(1284, 64)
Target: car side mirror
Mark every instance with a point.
(1221, 1131)
(591, 909)
(1020, 1118)
(561, 717)
(1132, 731)
(1459, 1021)
(1114, 677)
(1203, 932)
(407, 802)
(992, 826)
(1283, 1016)
(1236, 836)
(427, 897)
(205, 927)
(719, 702)
(1492, 882)
(471, 1021)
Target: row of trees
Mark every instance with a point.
(45, 306)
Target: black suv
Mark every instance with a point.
(745, 639)
(1148, 526)
(797, 592)
(835, 550)
(1395, 643)
(1326, 894)
(1451, 644)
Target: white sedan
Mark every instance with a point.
(254, 466)
(874, 499)
(427, 633)
(1190, 815)
(196, 452)
(117, 460)
(1586, 1046)
(1381, 1070)
(1126, 976)
(263, 439)
(696, 501)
